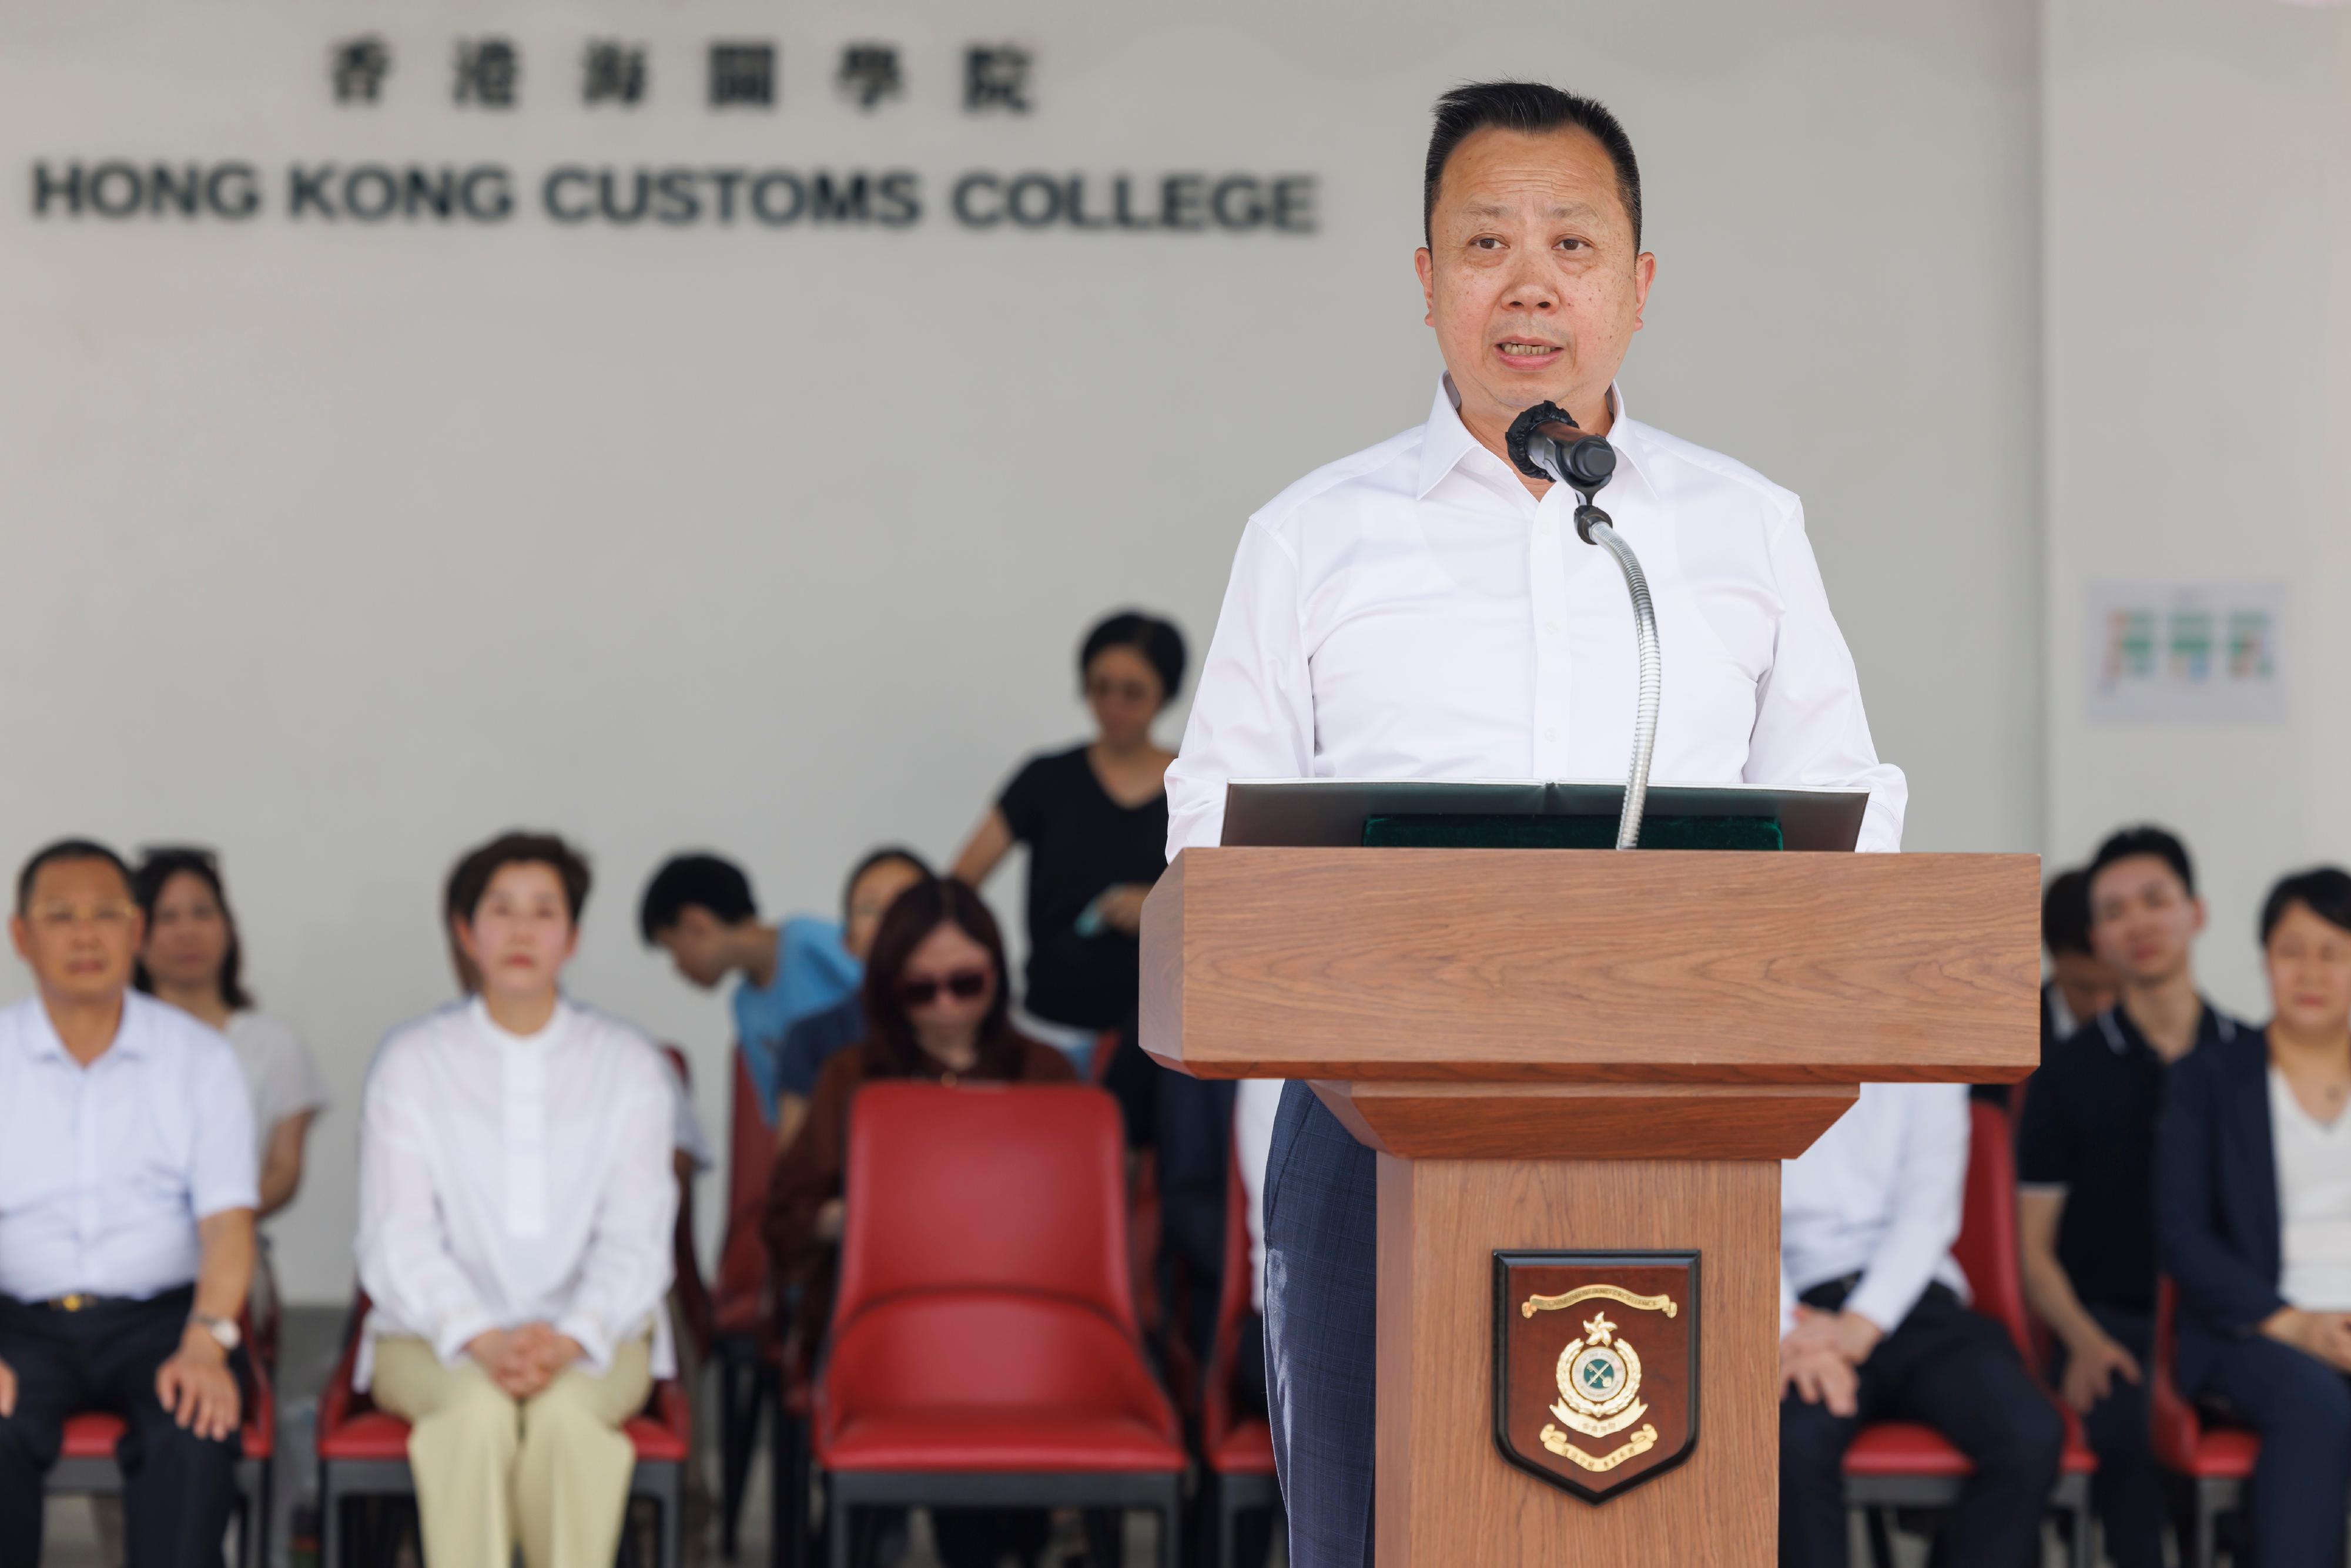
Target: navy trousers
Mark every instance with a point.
(178, 1489)
(2302, 1408)
(1321, 1257)
(2128, 1489)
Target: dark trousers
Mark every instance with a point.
(178, 1489)
(1958, 1372)
(1322, 1258)
(2302, 1408)
(2128, 1489)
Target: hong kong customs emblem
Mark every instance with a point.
(1595, 1365)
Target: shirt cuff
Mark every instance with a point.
(459, 1330)
(1885, 1303)
(593, 1341)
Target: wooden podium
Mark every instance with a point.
(1585, 1051)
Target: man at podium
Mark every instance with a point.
(1424, 609)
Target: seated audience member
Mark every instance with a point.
(193, 959)
(936, 1009)
(1874, 1326)
(126, 1222)
(698, 909)
(2085, 1168)
(873, 886)
(1095, 820)
(2253, 1193)
(2080, 986)
(515, 1206)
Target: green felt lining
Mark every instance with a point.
(1463, 831)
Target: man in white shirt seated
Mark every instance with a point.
(1874, 1326)
(515, 1206)
(127, 1196)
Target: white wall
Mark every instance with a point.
(340, 548)
(2199, 233)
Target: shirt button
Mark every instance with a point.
(1550, 627)
(1551, 732)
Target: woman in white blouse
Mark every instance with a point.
(515, 1206)
(2253, 1210)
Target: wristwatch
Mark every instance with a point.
(225, 1332)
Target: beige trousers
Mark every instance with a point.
(551, 1471)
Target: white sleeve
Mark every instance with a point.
(1809, 724)
(221, 1171)
(1928, 1190)
(405, 1265)
(1256, 1102)
(1253, 716)
(628, 1267)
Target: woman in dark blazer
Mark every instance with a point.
(2263, 1323)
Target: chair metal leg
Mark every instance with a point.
(1106, 1538)
(836, 1527)
(741, 1387)
(1228, 1551)
(1171, 1525)
(331, 1521)
(2085, 1533)
(1881, 1539)
(2207, 1522)
(789, 1484)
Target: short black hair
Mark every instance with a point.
(1159, 642)
(65, 850)
(882, 856)
(698, 882)
(2065, 913)
(474, 873)
(1531, 107)
(2324, 891)
(2130, 844)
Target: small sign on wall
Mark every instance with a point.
(2192, 652)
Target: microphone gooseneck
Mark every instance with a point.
(1547, 444)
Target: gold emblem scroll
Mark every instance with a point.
(1534, 1304)
(1641, 1442)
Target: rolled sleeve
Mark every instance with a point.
(222, 1171)
(1253, 716)
(1810, 728)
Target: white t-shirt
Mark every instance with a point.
(2314, 1178)
(278, 1072)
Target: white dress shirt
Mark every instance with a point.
(1879, 1195)
(2313, 1183)
(507, 1179)
(106, 1169)
(1412, 613)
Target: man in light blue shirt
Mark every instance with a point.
(126, 1199)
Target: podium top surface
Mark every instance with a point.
(1566, 966)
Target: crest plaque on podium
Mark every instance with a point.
(1595, 1365)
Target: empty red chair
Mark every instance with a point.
(1904, 1464)
(1236, 1450)
(363, 1453)
(85, 1463)
(2216, 1460)
(984, 1351)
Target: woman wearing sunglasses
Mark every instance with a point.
(936, 1009)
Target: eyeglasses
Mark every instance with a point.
(963, 985)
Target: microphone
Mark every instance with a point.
(1546, 443)
(1583, 462)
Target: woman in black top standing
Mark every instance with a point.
(1095, 820)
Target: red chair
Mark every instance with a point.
(1238, 1451)
(1904, 1464)
(984, 1351)
(85, 1464)
(743, 1303)
(363, 1453)
(2216, 1462)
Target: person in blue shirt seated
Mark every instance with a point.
(698, 909)
(2252, 1190)
(127, 1199)
(874, 885)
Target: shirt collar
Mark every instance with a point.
(2123, 1037)
(129, 1040)
(1445, 442)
